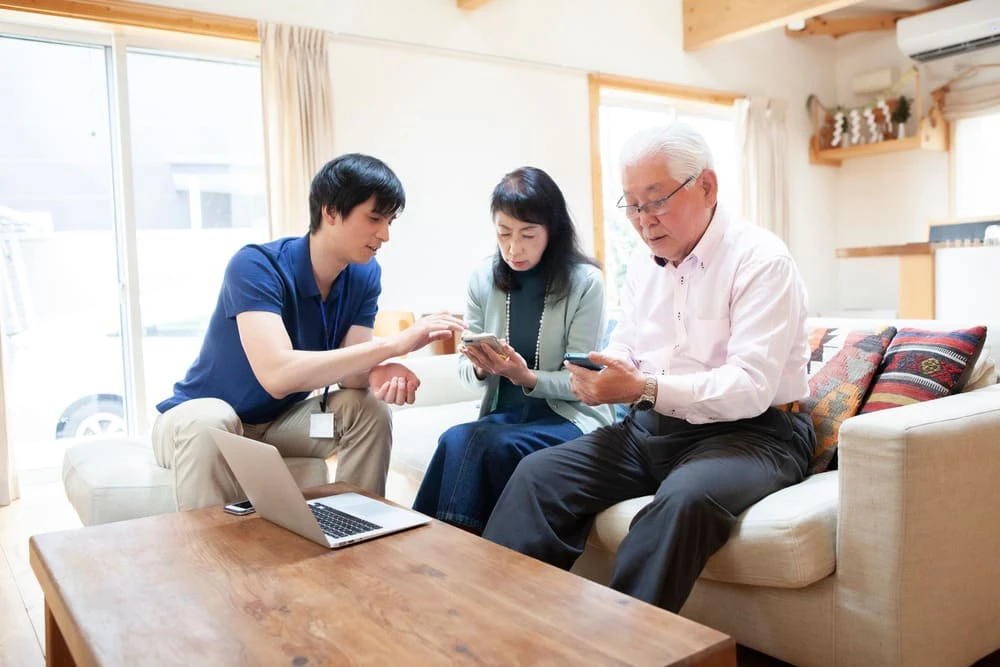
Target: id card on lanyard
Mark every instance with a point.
(321, 425)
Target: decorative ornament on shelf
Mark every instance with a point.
(874, 134)
(839, 127)
(900, 115)
(855, 127)
(883, 107)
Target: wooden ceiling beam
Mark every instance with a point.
(819, 25)
(120, 12)
(469, 5)
(708, 22)
(838, 27)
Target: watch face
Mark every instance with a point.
(643, 404)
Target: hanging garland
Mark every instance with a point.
(844, 123)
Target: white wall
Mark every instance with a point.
(456, 100)
(450, 128)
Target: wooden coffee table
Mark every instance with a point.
(209, 588)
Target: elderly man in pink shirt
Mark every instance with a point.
(710, 353)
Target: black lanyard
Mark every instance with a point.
(329, 333)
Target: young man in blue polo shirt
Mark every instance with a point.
(293, 316)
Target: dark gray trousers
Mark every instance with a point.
(702, 476)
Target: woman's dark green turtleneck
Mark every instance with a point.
(527, 301)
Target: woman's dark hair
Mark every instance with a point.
(530, 195)
(349, 180)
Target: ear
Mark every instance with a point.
(331, 216)
(708, 186)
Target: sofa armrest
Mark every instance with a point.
(917, 537)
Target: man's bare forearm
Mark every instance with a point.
(299, 370)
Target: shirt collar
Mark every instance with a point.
(298, 254)
(706, 248)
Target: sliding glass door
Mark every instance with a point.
(128, 177)
(61, 325)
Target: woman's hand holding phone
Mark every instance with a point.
(504, 361)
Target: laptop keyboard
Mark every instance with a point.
(339, 524)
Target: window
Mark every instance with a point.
(622, 113)
(975, 153)
(89, 231)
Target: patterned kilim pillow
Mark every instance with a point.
(819, 353)
(921, 365)
(836, 392)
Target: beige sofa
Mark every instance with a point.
(894, 559)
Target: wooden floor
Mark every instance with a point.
(43, 507)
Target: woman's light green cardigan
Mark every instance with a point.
(573, 324)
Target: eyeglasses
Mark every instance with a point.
(655, 207)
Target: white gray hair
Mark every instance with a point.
(683, 147)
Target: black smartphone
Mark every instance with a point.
(578, 359)
(239, 509)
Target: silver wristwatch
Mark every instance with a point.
(648, 397)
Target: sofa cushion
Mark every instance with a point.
(922, 365)
(415, 434)
(837, 391)
(787, 540)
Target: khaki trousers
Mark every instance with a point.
(362, 442)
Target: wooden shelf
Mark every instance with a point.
(933, 136)
(886, 250)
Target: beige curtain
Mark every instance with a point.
(968, 102)
(298, 120)
(9, 490)
(762, 143)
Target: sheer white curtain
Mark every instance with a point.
(762, 142)
(9, 491)
(298, 120)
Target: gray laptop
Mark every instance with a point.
(333, 521)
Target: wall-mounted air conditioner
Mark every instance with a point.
(967, 26)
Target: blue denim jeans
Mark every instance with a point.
(473, 461)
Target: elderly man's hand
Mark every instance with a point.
(619, 382)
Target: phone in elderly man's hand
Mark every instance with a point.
(582, 360)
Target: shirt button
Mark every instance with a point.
(678, 314)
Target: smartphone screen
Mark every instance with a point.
(582, 360)
(239, 509)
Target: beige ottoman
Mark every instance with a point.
(113, 479)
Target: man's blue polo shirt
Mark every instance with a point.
(275, 277)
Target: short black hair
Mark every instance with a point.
(352, 179)
(530, 195)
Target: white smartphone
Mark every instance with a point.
(471, 339)
(240, 509)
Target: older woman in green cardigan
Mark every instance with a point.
(542, 297)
